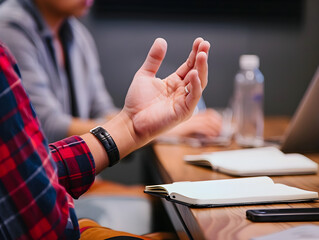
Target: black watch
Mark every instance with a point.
(108, 143)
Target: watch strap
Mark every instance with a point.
(108, 143)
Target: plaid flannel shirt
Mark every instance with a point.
(35, 185)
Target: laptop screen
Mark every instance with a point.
(302, 134)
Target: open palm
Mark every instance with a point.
(154, 104)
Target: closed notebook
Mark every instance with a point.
(229, 192)
(255, 162)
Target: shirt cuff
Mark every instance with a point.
(76, 167)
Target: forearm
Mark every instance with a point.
(111, 115)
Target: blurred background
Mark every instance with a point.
(283, 33)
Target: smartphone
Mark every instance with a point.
(283, 215)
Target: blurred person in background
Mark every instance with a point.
(61, 72)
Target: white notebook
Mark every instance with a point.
(228, 192)
(255, 162)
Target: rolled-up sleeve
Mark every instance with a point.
(76, 167)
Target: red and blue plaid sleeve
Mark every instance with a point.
(34, 203)
(75, 164)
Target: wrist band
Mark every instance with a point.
(108, 143)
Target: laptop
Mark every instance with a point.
(302, 134)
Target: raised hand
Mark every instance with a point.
(155, 105)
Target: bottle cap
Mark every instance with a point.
(249, 61)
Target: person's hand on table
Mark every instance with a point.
(206, 124)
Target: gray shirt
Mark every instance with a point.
(24, 31)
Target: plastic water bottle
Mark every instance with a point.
(248, 103)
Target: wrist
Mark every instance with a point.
(122, 131)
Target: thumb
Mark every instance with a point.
(155, 57)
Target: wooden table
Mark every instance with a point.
(224, 222)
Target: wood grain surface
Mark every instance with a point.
(227, 222)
